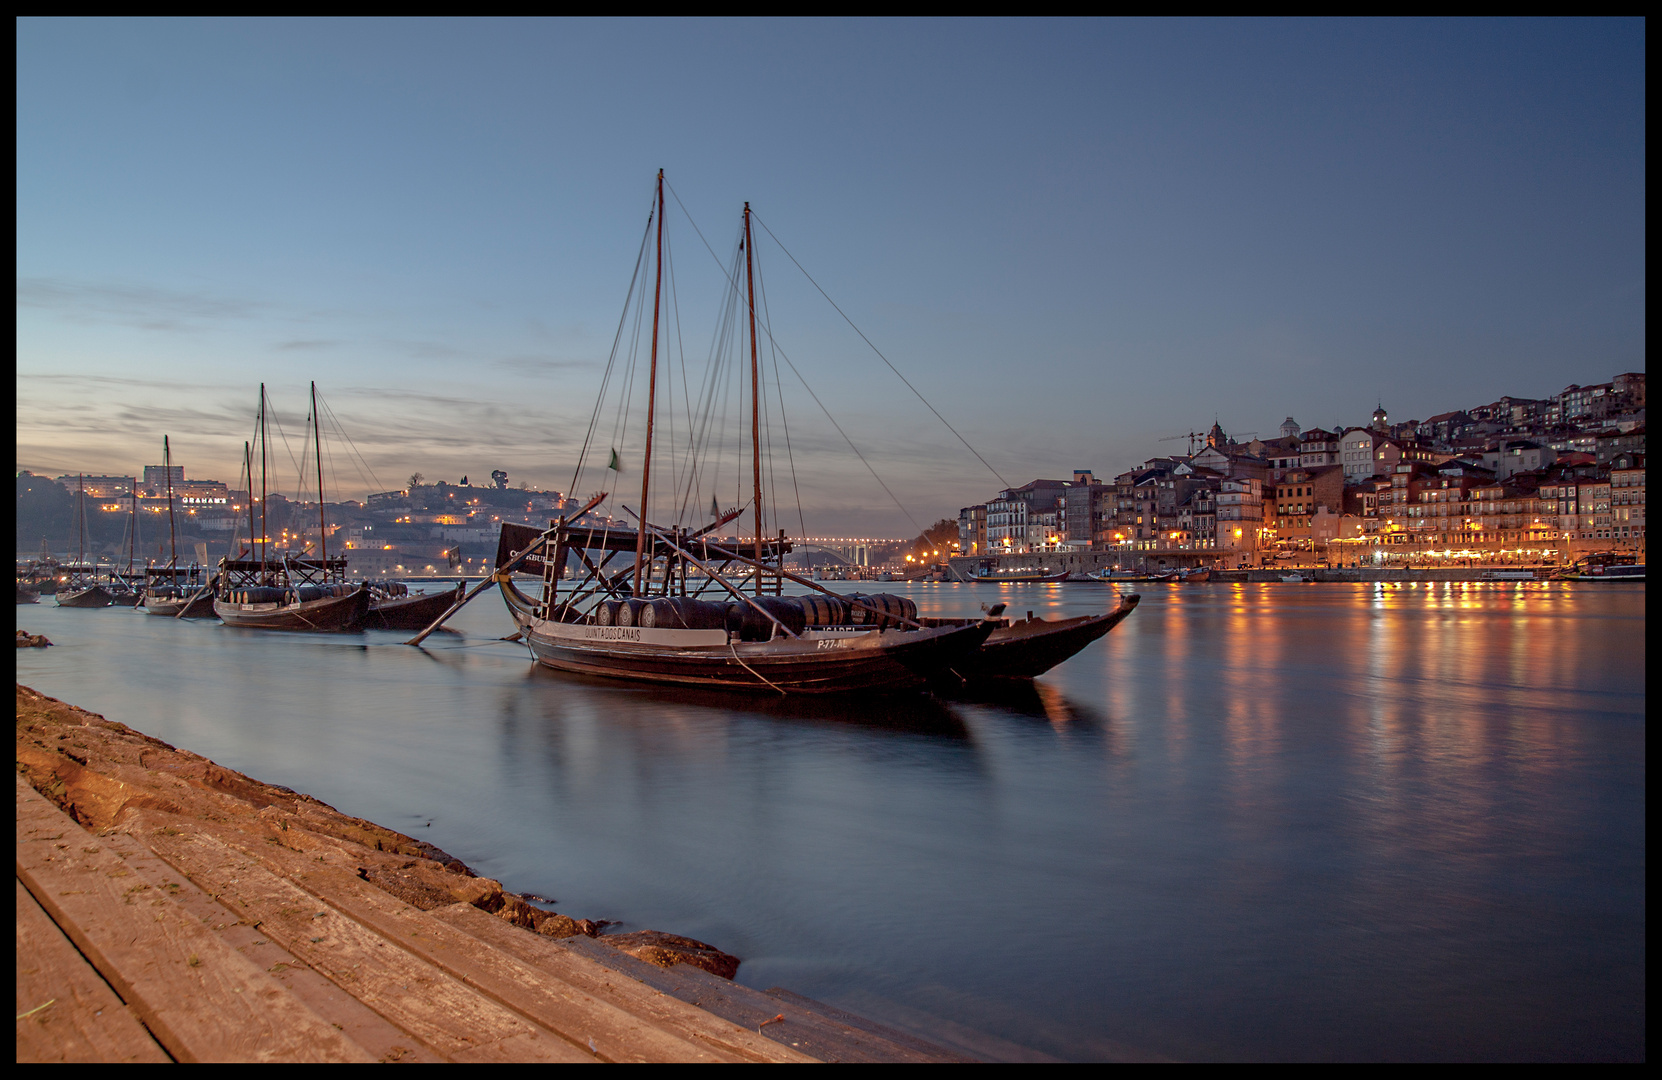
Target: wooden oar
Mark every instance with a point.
(530, 549)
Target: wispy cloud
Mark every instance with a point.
(147, 307)
(537, 366)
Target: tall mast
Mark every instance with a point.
(755, 393)
(263, 536)
(81, 517)
(172, 531)
(248, 471)
(132, 525)
(317, 449)
(651, 395)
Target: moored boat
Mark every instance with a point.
(178, 593)
(292, 594)
(1020, 576)
(1023, 649)
(394, 607)
(79, 585)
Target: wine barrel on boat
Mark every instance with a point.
(881, 610)
(824, 610)
(683, 613)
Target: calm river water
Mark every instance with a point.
(1256, 821)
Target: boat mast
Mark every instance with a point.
(172, 531)
(755, 393)
(651, 395)
(262, 435)
(132, 525)
(248, 471)
(81, 517)
(317, 449)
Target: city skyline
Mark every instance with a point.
(1077, 238)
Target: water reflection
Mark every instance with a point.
(1265, 821)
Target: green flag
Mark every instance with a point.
(715, 511)
(612, 464)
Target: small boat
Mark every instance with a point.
(175, 591)
(178, 592)
(293, 594)
(1114, 577)
(1611, 571)
(761, 642)
(79, 586)
(282, 592)
(82, 589)
(1508, 575)
(1290, 578)
(1024, 649)
(26, 595)
(1020, 576)
(1198, 576)
(393, 607)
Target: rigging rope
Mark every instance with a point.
(879, 352)
(901, 506)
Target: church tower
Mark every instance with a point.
(1381, 422)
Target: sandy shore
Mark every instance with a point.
(220, 917)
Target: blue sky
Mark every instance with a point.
(1076, 237)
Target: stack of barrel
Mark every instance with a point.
(875, 612)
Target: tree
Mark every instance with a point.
(45, 510)
(499, 478)
(935, 543)
(416, 479)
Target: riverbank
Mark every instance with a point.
(172, 908)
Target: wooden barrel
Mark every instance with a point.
(605, 613)
(628, 612)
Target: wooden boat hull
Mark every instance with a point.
(27, 596)
(201, 607)
(1033, 579)
(95, 596)
(331, 614)
(1028, 648)
(410, 612)
(874, 661)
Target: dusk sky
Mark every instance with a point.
(1075, 237)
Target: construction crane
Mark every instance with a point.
(1191, 436)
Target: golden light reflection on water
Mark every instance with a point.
(1439, 690)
